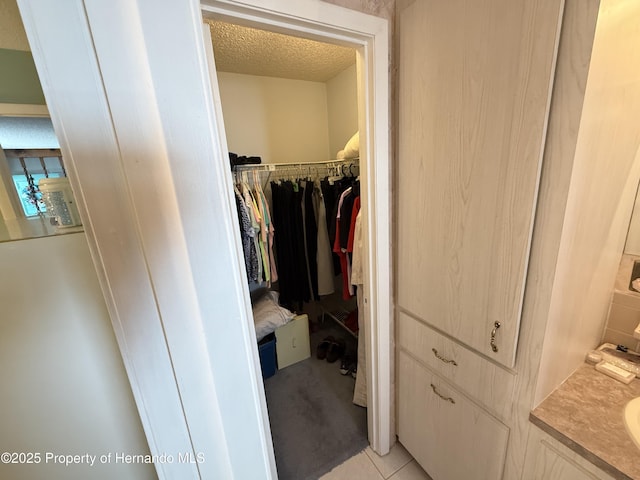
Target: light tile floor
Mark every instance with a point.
(368, 465)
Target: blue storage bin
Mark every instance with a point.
(267, 349)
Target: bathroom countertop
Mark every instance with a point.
(585, 413)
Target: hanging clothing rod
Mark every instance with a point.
(275, 166)
(333, 167)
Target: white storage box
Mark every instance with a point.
(292, 342)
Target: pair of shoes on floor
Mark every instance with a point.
(349, 365)
(330, 348)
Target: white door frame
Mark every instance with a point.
(369, 36)
(130, 96)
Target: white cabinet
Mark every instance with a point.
(474, 93)
(444, 431)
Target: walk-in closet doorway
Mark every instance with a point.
(293, 102)
(375, 175)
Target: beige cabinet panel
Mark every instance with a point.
(449, 436)
(551, 465)
(474, 86)
(548, 459)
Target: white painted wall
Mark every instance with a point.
(342, 106)
(601, 197)
(278, 119)
(64, 388)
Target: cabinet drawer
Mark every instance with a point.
(483, 380)
(450, 436)
(292, 342)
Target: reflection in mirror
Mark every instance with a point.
(35, 196)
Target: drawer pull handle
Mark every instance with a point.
(496, 326)
(448, 399)
(445, 360)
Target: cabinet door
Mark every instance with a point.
(548, 459)
(551, 465)
(474, 90)
(448, 435)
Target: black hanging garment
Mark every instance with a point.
(289, 244)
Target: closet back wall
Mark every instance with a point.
(288, 121)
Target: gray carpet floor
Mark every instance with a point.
(314, 424)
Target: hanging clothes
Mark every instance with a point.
(346, 211)
(245, 235)
(343, 223)
(356, 244)
(254, 232)
(311, 238)
(280, 215)
(262, 235)
(332, 189)
(268, 235)
(313, 220)
(324, 256)
(357, 279)
(289, 245)
(300, 254)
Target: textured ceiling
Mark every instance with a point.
(250, 51)
(12, 34)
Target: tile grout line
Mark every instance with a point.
(373, 463)
(409, 460)
(400, 469)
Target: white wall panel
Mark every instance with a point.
(65, 389)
